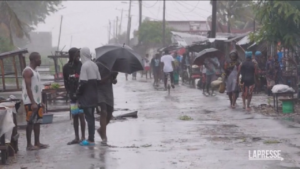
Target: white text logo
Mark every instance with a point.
(265, 155)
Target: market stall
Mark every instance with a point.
(55, 97)
(8, 130)
(12, 64)
(58, 66)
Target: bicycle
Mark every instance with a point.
(168, 82)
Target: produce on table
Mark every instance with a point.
(55, 86)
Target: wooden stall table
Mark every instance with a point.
(276, 95)
(50, 95)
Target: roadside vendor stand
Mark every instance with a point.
(51, 95)
(8, 133)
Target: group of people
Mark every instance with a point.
(161, 64)
(240, 77)
(90, 87)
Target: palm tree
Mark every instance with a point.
(234, 13)
(10, 24)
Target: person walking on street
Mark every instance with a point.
(32, 99)
(146, 66)
(210, 73)
(167, 65)
(71, 72)
(247, 70)
(155, 64)
(87, 92)
(231, 69)
(176, 68)
(106, 100)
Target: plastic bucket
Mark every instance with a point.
(47, 118)
(287, 106)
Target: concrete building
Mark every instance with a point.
(191, 27)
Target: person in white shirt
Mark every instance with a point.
(32, 99)
(167, 64)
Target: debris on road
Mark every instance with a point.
(185, 118)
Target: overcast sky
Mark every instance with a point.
(85, 23)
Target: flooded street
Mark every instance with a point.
(211, 136)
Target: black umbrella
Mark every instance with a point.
(119, 58)
(201, 56)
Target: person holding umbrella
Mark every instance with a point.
(106, 99)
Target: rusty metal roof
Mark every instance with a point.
(186, 39)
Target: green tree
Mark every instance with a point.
(5, 45)
(280, 21)
(151, 33)
(20, 17)
(234, 14)
(10, 23)
(34, 12)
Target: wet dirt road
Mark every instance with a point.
(216, 137)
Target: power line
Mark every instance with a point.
(150, 6)
(180, 11)
(195, 7)
(188, 12)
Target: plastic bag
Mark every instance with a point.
(280, 88)
(74, 109)
(222, 87)
(8, 124)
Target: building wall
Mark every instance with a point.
(197, 27)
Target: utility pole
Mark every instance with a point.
(164, 23)
(109, 31)
(61, 19)
(120, 26)
(115, 32)
(71, 41)
(117, 26)
(128, 24)
(214, 19)
(254, 25)
(140, 17)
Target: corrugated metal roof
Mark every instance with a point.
(244, 41)
(185, 39)
(238, 37)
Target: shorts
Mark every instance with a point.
(147, 68)
(36, 117)
(248, 83)
(105, 108)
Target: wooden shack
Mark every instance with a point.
(58, 70)
(16, 60)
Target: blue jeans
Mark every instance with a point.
(90, 119)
